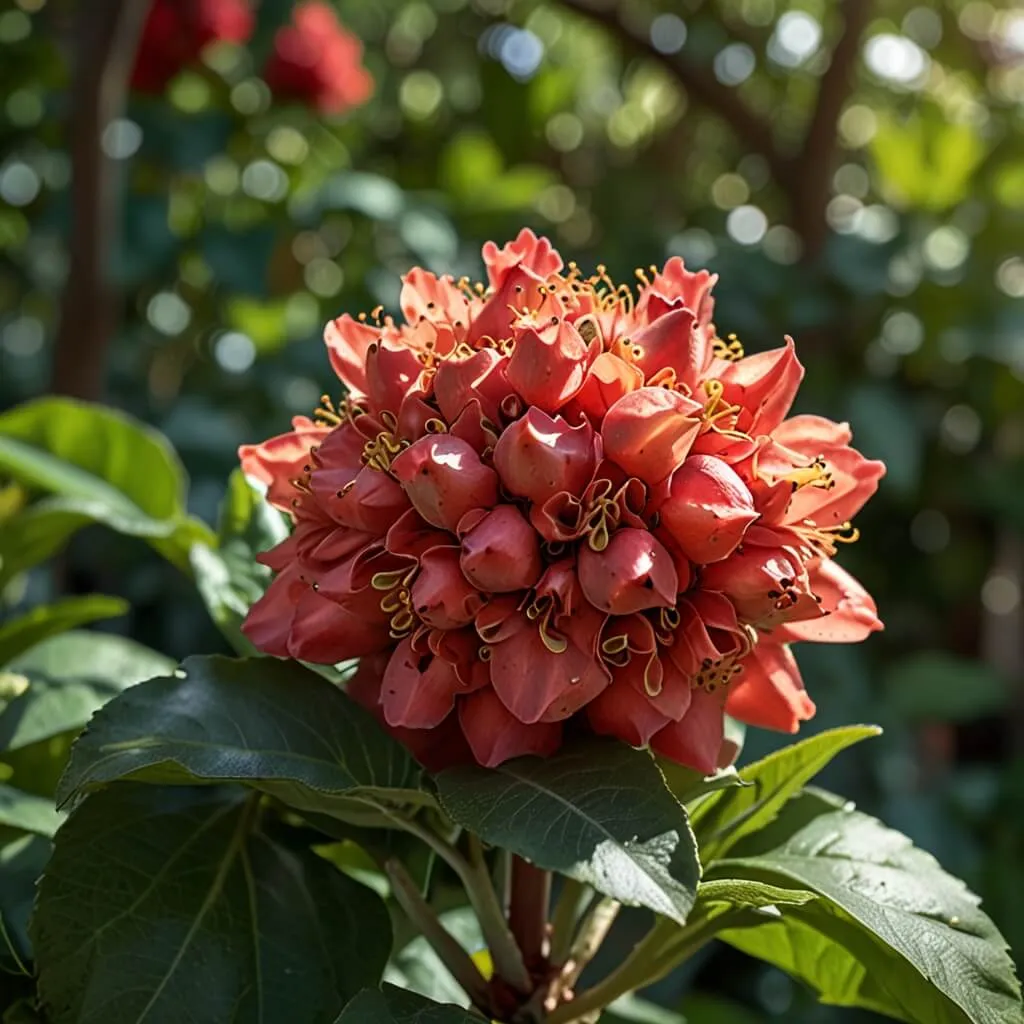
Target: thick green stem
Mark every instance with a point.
(530, 895)
(452, 955)
(508, 960)
(475, 877)
(572, 901)
(664, 947)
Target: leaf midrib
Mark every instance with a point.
(232, 850)
(659, 883)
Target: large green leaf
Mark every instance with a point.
(597, 811)
(36, 533)
(27, 812)
(25, 631)
(106, 465)
(728, 815)
(391, 1005)
(167, 905)
(890, 931)
(69, 677)
(228, 576)
(269, 724)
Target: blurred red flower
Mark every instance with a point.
(318, 62)
(549, 499)
(176, 32)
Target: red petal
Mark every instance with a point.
(769, 691)
(649, 432)
(495, 735)
(696, 739)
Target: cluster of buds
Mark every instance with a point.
(314, 60)
(548, 503)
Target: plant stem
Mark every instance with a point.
(570, 904)
(530, 891)
(452, 955)
(508, 960)
(475, 877)
(662, 949)
(592, 933)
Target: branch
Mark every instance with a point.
(810, 191)
(452, 955)
(752, 130)
(106, 35)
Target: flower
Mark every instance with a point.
(549, 503)
(317, 62)
(177, 31)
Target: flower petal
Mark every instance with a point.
(769, 692)
(495, 734)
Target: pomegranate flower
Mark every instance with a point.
(547, 502)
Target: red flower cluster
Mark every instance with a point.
(177, 31)
(551, 501)
(317, 62)
(314, 61)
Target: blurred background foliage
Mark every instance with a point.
(853, 170)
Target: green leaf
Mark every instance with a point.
(598, 811)
(392, 1005)
(70, 676)
(229, 578)
(747, 893)
(268, 724)
(27, 812)
(21, 863)
(106, 466)
(689, 787)
(20, 634)
(891, 931)
(167, 905)
(727, 816)
(33, 535)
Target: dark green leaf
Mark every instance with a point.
(167, 905)
(20, 634)
(730, 814)
(268, 724)
(106, 466)
(891, 930)
(21, 863)
(27, 812)
(631, 1009)
(229, 578)
(396, 1006)
(70, 676)
(597, 811)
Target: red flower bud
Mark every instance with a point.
(500, 550)
(539, 456)
(632, 573)
(706, 508)
(650, 432)
(444, 479)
